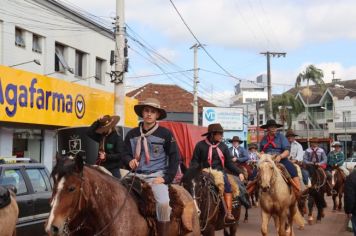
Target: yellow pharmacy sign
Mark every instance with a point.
(36, 99)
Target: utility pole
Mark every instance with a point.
(195, 86)
(269, 86)
(118, 74)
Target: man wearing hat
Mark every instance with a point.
(111, 145)
(239, 154)
(152, 153)
(296, 149)
(335, 159)
(275, 143)
(213, 153)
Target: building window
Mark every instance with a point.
(19, 37)
(261, 119)
(60, 64)
(36, 43)
(99, 70)
(79, 61)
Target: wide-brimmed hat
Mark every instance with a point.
(314, 140)
(106, 123)
(216, 127)
(151, 102)
(235, 139)
(271, 123)
(336, 143)
(290, 133)
(252, 145)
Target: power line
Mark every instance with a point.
(198, 41)
(160, 74)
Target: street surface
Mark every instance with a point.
(333, 224)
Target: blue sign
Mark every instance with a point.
(210, 115)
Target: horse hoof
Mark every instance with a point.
(318, 221)
(245, 221)
(301, 228)
(310, 221)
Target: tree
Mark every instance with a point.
(287, 106)
(311, 74)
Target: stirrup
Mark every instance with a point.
(229, 217)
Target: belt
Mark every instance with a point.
(145, 172)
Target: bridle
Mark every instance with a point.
(273, 175)
(69, 219)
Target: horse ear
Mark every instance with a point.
(79, 161)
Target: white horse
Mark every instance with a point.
(277, 200)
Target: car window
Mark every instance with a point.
(46, 178)
(15, 178)
(37, 180)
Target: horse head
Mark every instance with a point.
(68, 197)
(267, 170)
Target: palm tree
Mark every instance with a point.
(287, 106)
(311, 74)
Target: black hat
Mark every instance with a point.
(216, 127)
(235, 139)
(252, 145)
(271, 123)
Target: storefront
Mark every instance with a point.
(33, 107)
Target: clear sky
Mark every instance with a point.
(319, 32)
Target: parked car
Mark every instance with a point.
(34, 190)
(350, 162)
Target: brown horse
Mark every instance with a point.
(338, 189)
(8, 214)
(88, 201)
(316, 192)
(211, 206)
(277, 200)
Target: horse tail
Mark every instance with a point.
(298, 218)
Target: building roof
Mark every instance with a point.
(317, 93)
(172, 97)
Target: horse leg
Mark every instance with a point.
(246, 215)
(276, 222)
(265, 220)
(232, 229)
(310, 209)
(340, 200)
(334, 201)
(282, 223)
(209, 231)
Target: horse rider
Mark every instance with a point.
(152, 153)
(111, 145)
(335, 159)
(254, 157)
(239, 154)
(350, 198)
(314, 156)
(275, 143)
(296, 152)
(213, 153)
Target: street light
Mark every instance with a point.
(26, 62)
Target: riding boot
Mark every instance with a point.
(228, 201)
(297, 187)
(163, 228)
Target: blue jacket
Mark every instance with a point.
(281, 142)
(242, 154)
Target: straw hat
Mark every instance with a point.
(290, 133)
(151, 102)
(106, 123)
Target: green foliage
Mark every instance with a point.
(287, 106)
(311, 74)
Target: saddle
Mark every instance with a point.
(183, 208)
(5, 197)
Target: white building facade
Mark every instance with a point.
(53, 73)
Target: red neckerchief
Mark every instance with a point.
(210, 152)
(315, 154)
(270, 140)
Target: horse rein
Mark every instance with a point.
(66, 230)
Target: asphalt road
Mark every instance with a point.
(333, 224)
